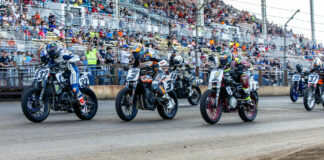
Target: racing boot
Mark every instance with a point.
(83, 105)
(78, 94)
(247, 96)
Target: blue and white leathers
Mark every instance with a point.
(64, 56)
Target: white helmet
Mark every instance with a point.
(317, 62)
(178, 60)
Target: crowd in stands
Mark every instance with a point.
(105, 41)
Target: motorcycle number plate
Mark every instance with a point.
(296, 77)
(216, 75)
(229, 90)
(313, 79)
(167, 84)
(83, 81)
(133, 74)
(42, 74)
(36, 74)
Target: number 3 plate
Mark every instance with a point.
(133, 74)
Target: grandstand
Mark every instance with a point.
(164, 25)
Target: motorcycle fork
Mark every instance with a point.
(133, 93)
(297, 86)
(320, 89)
(42, 91)
(217, 94)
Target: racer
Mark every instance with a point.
(238, 66)
(59, 54)
(141, 55)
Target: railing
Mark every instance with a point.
(115, 74)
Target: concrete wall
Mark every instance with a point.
(111, 91)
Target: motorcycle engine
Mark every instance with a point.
(65, 98)
(232, 102)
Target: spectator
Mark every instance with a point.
(110, 59)
(101, 60)
(12, 43)
(92, 57)
(5, 62)
(171, 61)
(124, 61)
(51, 19)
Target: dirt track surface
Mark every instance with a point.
(281, 129)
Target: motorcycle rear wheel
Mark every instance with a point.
(196, 101)
(245, 113)
(166, 113)
(91, 103)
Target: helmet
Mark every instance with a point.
(317, 62)
(238, 59)
(299, 67)
(53, 50)
(178, 60)
(137, 48)
(225, 58)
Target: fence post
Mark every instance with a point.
(260, 77)
(116, 75)
(285, 78)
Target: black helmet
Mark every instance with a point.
(299, 67)
(52, 50)
(225, 58)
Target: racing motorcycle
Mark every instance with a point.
(297, 87)
(313, 94)
(183, 89)
(138, 94)
(225, 95)
(51, 90)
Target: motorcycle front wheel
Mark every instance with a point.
(293, 93)
(33, 109)
(210, 110)
(166, 111)
(125, 110)
(309, 99)
(194, 99)
(91, 102)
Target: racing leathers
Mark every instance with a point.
(239, 68)
(71, 59)
(157, 71)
